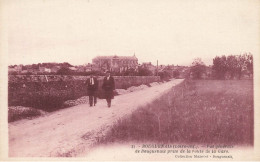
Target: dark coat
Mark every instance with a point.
(92, 88)
(108, 87)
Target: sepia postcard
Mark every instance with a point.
(129, 80)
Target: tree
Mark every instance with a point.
(197, 68)
(144, 72)
(66, 64)
(35, 66)
(130, 72)
(249, 62)
(64, 71)
(175, 73)
(219, 67)
(164, 75)
(233, 65)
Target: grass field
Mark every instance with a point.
(197, 111)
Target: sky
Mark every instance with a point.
(170, 31)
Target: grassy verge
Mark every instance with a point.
(202, 111)
(19, 112)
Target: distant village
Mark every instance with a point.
(118, 65)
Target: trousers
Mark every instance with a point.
(92, 99)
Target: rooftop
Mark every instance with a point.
(117, 57)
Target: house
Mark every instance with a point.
(44, 70)
(73, 68)
(12, 70)
(89, 67)
(55, 69)
(32, 71)
(15, 69)
(115, 63)
(81, 68)
(24, 71)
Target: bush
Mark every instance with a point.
(197, 68)
(144, 72)
(19, 112)
(176, 73)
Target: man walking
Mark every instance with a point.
(108, 87)
(92, 86)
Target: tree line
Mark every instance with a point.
(224, 67)
(232, 66)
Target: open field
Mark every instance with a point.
(196, 111)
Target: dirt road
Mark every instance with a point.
(71, 131)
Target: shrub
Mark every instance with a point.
(19, 112)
